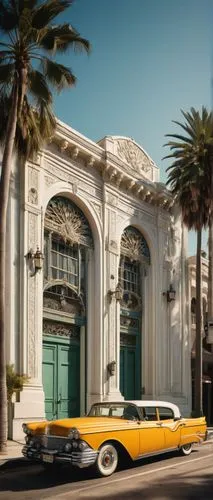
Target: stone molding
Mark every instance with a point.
(124, 170)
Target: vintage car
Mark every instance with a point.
(110, 433)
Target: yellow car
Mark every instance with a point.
(111, 432)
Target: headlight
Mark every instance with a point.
(25, 429)
(31, 442)
(82, 445)
(75, 445)
(68, 447)
(73, 433)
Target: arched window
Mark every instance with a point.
(67, 237)
(134, 254)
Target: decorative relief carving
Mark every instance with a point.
(61, 329)
(113, 247)
(112, 225)
(132, 154)
(98, 209)
(112, 199)
(33, 185)
(32, 230)
(33, 196)
(134, 245)
(32, 347)
(62, 298)
(68, 221)
(60, 174)
(49, 180)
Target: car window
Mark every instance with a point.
(150, 413)
(116, 411)
(130, 413)
(165, 413)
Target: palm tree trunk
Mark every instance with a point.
(4, 189)
(210, 272)
(198, 357)
(210, 240)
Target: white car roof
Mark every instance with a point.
(141, 403)
(153, 403)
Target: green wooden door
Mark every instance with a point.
(130, 366)
(50, 380)
(61, 379)
(68, 381)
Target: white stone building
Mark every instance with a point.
(95, 323)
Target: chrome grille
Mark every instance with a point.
(53, 442)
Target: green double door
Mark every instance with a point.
(130, 365)
(61, 378)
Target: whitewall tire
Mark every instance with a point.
(107, 460)
(186, 449)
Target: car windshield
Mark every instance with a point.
(120, 410)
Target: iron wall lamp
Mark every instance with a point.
(117, 293)
(36, 260)
(111, 368)
(170, 294)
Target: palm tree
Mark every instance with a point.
(28, 69)
(189, 181)
(210, 240)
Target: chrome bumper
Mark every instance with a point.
(80, 459)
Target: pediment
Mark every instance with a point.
(135, 159)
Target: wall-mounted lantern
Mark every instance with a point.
(111, 367)
(35, 260)
(117, 293)
(170, 294)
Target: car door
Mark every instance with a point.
(152, 436)
(170, 426)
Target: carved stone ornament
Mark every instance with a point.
(62, 298)
(132, 154)
(67, 220)
(33, 196)
(61, 329)
(134, 245)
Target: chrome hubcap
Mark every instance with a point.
(107, 459)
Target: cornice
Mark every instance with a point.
(76, 146)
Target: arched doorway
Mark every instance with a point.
(134, 261)
(67, 240)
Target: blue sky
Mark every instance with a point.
(149, 59)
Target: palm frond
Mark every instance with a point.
(38, 86)
(58, 75)
(189, 172)
(61, 38)
(7, 73)
(45, 13)
(8, 17)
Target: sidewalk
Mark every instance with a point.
(14, 452)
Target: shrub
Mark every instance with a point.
(15, 381)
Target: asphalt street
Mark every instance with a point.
(164, 477)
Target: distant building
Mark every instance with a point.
(95, 318)
(207, 354)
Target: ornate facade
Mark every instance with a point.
(95, 322)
